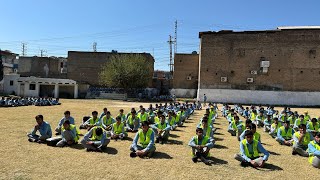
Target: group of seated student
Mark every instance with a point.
(27, 101)
(104, 127)
(203, 140)
(288, 128)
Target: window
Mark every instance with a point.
(32, 87)
(11, 83)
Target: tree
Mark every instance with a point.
(126, 71)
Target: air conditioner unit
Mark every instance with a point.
(265, 70)
(224, 79)
(265, 64)
(189, 78)
(254, 72)
(250, 80)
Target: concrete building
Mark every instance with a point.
(44, 67)
(84, 67)
(279, 66)
(185, 75)
(40, 87)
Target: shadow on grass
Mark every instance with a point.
(218, 128)
(172, 141)
(188, 122)
(274, 153)
(218, 139)
(178, 130)
(173, 135)
(216, 133)
(110, 150)
(216, 123)
(220, 146)
(161, 155)
(182, 126)
(214, 160)
(77, 146)
(271, 167)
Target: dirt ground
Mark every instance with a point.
(20, 159)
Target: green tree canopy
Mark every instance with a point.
(126, 71)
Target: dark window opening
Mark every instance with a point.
(32, 87)
(11, 83)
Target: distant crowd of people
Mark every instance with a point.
(28, 101)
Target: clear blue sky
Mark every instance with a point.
(58, 26)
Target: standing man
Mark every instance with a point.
(44, 129)
(204, 100)
(201, 145)
(249, 152)
(65, 118)
(146, 146)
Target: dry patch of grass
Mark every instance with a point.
(23, 160)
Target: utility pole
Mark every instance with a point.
(175, 36)
(24, 49)
(42, 52)
(94, 46)
(171, 61)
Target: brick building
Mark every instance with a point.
(84, 67)
(279, 66)
(185, 75)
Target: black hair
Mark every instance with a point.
(199, 129)
(39, 117)
(94, 112)
(248, 133)
(66, 122)
(99, 131)
(67, 112)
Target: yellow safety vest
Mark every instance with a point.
(143, 117)
(286, 135)
(234, 126)
(252, 116)
(273, 125)
(209, 130)
(93, 121)
(255, 149)
(117, 128)
(306, 138)
(94, 135)
(299, 122)
(144, 140)
(130, 120)
(312, 127)
(204, 140)
(256, 136)
(157, 120)
(71, 128)
(106, 121)
(172, 121)
(162, 126)
(311, 156)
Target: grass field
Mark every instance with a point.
(20, 159)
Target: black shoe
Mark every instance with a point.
(57, 134)
(244, 164)
(157, 140)
(133, 154)
(294, 153)
(195, 159)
